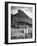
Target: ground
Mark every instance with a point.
(20, 33)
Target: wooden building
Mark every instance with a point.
(21, 20)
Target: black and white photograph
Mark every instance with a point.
(21, 22)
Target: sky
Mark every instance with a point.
(27, 10)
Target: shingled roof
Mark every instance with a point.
(22, 17)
